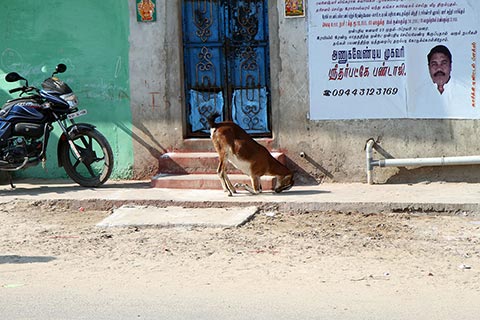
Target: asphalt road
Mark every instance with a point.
(142, 299)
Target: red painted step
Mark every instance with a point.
(197, 170)
(197, 162)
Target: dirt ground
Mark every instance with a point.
(398, 254)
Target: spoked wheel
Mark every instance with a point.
(95, 164)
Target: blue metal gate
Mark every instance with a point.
(226, 63)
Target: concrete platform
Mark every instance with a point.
(142, 216)
(447, 198)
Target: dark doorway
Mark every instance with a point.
(226, 63)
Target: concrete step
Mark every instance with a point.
(204, 181)
(198, 170)
(197, 163)
(189, 163)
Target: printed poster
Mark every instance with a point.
(376, 59)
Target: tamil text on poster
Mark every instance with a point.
(393, 59)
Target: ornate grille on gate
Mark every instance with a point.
(226, 61)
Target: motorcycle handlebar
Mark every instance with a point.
(23, 89)
(15, 90)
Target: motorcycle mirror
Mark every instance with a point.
(61, 68)
(13, 76)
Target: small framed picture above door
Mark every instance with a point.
(294, 8)
(146, 11)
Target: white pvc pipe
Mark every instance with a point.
(369, 153)
(438, 161)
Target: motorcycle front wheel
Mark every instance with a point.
(95, 164)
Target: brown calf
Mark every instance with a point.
(234, 145)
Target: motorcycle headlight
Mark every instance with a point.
(71, 99)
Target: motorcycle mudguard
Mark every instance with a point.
(72, 131)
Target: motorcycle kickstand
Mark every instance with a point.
(10, 179)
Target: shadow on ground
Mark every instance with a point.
(14, 259)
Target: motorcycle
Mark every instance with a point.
(26, 123)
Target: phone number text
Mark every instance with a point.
(361, 92)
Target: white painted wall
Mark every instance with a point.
(334, 149)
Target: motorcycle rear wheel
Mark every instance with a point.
(95, 164)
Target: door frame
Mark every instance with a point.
(225, 73)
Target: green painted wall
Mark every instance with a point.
(91, 38)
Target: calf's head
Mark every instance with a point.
(283, 183)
